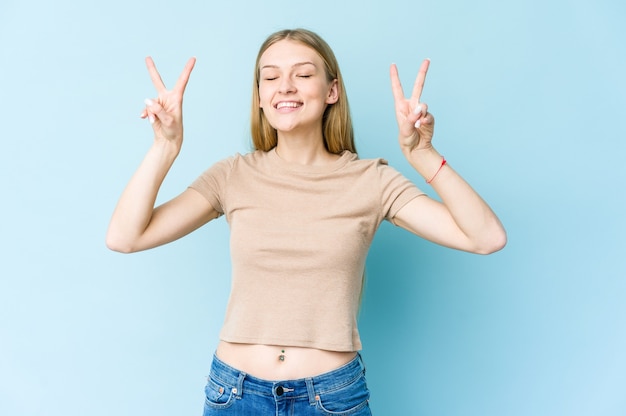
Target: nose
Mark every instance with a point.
(286, 85)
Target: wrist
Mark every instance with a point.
(166, 149)
(427, 162)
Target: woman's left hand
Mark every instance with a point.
(415, 123)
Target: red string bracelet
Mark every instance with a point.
(443, 162)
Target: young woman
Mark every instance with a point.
(302, 210)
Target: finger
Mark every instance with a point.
(153, 110)
(396, 86)
(154, 75)
(145, 114)
(181, 84)
(419, 82)
(427, 119)
(421, 110)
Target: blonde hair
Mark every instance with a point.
(336, 121)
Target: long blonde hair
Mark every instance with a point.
(336, 121)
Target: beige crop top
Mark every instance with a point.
(299, 238)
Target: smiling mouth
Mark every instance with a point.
(287, 104)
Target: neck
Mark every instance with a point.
(304, 150)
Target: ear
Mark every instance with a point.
(333, 92)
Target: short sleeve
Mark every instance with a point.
(396, 190)
(212, 183)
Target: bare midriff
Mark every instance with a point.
(265, 361)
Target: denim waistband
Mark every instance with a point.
(308, 387)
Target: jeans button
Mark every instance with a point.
(279, 390)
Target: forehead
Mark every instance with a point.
(286, 53)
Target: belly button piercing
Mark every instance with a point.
(281, 357)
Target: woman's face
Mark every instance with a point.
(293, 89)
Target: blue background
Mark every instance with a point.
(530, 100)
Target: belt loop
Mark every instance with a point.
(310, 390)
(239, 388)
(361, 362)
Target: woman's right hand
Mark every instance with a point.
(136, 224)
(165, 112)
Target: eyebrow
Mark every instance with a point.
(293, 66)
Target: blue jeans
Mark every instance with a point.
(339, 392)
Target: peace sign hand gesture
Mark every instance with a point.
(415, 123)
(166, 111)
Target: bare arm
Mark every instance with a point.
(136, 225)
(463, 220)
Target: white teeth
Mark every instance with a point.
(289, 104)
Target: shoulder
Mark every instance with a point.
(377, 166)
(252, 158)
(239, 159)
(381, 172)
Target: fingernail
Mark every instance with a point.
(151, 117)
(418, 123)
(148, 101)
(417, 109)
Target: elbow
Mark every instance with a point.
(495, 242)
(118, 245)
(120, 248)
